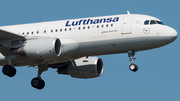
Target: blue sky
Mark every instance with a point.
(157, 79)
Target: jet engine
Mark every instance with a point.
(40, 48)
(83, 68)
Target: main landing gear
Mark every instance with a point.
(37, 82)
(132, 66)
(9, 70)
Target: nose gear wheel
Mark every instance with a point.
(132, 66)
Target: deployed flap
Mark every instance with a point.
(10, 39)
(4, 51)
(7, 35)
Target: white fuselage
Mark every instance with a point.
(95, 36)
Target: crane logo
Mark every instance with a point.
(146, 30)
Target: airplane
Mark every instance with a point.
(71, 46)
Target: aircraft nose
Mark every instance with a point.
(172, 34)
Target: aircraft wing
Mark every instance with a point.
(9, 40)
(7, 35)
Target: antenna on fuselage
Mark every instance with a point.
(128, 12)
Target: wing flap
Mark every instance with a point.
(10, 39)
(4, 51)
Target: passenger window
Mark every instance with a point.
(60, 30)
(146, 22)
(83, 27)
(65, 29)
(44, 31)
(56, 30)
(32, 33)
(79, 28)
(111, 25)
(23, 33)
(69, 29)
(27, 33)
(88, 27)
(107, 25)
(51, 31)
(102, 26)
(37, 32)
(153, 22)
(97, 26)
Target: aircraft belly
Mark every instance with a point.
(121, 45)
(141, 43)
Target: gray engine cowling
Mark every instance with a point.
(83, 68)
(40, 48)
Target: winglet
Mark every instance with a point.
(128, 12)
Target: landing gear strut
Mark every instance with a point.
(132, 66)
(9, 70)
(37, 82)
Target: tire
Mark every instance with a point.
(13, 73)
(42, 85)
(38, 83)
(9, 70)
(133, 67)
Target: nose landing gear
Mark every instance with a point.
(132, 66)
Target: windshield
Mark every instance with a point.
(152, 22)
(159, 22)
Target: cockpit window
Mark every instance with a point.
(152, 22)
(146, 22)
(159, 22)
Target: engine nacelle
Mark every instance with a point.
(41, 48)
(83, 68)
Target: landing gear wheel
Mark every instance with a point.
(13, 72)
(9, 70)
(133, 67)
(38, 83)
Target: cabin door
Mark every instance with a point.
(126, 25)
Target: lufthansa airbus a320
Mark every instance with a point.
(68, 45)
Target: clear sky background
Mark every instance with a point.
(158, 77)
